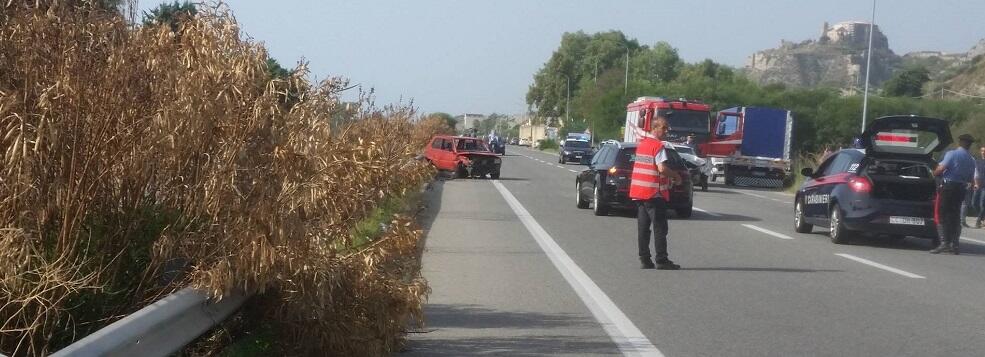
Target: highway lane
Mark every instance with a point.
(747, 292)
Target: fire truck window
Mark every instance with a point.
(727, 125)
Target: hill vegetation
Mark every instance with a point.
(598, 97)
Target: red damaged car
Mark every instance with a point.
(466, 156)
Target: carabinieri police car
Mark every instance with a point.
(886, 188)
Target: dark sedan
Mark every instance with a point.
(573, 150)
(605, 184)
(886, 189)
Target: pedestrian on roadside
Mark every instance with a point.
(978, 198)
(649, 187)
(957, 170)
(689, 142)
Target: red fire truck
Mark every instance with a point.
(689, 117)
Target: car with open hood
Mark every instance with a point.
(465, 156)
(885, 188)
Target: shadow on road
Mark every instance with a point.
(909, 243)
(441, 317)
(778, 270)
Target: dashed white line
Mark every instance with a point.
(630, 340)
(767, 231)
(752, 194)
(880, 266)
(573, 171)
(713, 214)
(973, 240)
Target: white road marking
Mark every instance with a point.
(560, 166)
(781, 201)
(630, 340)
(973, 240)
(880, 266)
(573, 171)
(752, 194)
(713, 214)
(767, 231)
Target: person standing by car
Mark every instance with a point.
(978, 198)
(689, 142)
(650, 188)
(957, 170)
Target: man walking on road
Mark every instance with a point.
(957, 170)
(650, 189)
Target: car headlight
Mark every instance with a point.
(566, 152)
(497, 161)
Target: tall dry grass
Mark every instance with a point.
(137, 161)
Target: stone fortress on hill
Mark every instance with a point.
(835, 59)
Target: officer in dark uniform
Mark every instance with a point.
(957, 171)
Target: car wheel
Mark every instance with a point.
(839, 234)
(799, 224)
(684, 212)
(494, 175)
(582, 203)
(729, 179)
(601, 209)
(461, 172)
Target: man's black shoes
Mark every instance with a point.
(667, 265)
(945, 248)
(646, 263)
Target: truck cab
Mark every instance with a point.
(750, 146)
(685, 117)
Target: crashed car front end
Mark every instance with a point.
(478, 165)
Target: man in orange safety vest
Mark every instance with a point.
(650, 189)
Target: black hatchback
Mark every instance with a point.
(605, 184)
(886, 188)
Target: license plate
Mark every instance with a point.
(758, 173)
(577, 156)
(914, 221)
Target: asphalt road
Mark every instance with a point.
(516, 269)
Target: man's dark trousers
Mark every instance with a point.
(652, 213)
(952, 194)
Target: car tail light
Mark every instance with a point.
(860, 184)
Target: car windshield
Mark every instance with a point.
(687, 121)
(471, 145)
(684, 150)
(576, 144)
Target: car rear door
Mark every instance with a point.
(817, 191)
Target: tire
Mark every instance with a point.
(684, 212)
(799, 224)
(839, 234)
(581, 202)
(461, 172)
(494, 175)
(729, 180)
(601, 209)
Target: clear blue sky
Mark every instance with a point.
(480, 56)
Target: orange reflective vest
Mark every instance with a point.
(646, 182)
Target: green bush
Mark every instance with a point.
(547, 144)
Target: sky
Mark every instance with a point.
(479, 56)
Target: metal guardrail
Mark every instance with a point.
(160, 329)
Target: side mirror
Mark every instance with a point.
(807, 171)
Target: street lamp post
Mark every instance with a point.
(868, 64)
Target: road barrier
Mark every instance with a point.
(160, 329)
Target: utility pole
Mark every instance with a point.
(567, 98)
(868, 65)
(625, 89)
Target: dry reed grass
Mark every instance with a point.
(132, 153)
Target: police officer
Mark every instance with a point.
(957, 171)
(650, 189)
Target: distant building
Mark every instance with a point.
(467, 121)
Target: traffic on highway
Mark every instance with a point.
(544, 258)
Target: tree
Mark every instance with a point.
(171, 14)
(579, 57)
(907, 82)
